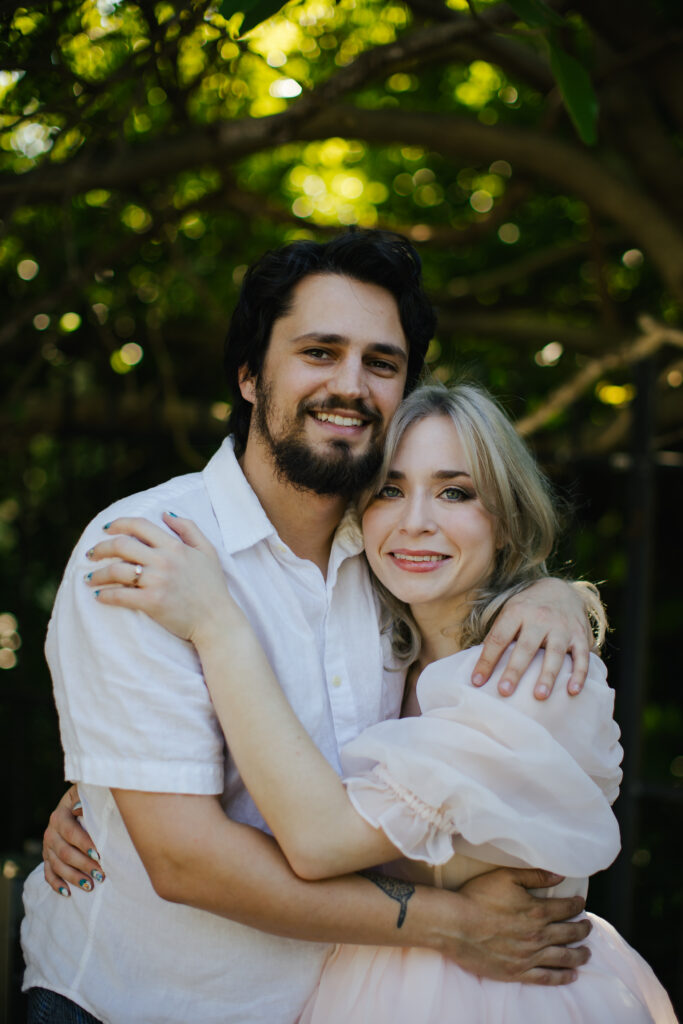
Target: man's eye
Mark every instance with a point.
(383, 365)
(317, 353)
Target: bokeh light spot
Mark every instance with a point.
(27, 269)
(69, 322)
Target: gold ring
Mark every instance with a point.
(138, 574)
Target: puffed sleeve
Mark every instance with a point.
(508, 780)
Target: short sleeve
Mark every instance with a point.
(509, 781)
(134, 711)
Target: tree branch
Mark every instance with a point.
(654, 336)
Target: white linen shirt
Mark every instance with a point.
(135, 714)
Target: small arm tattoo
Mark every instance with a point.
(395, 889)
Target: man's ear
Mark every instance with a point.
(247, 382)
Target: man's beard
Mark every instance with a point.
(336, 472)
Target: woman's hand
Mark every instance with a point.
(177, 581)
(69, 854)
(550, 615)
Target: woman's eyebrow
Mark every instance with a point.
(439, 474)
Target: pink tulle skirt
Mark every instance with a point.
(383, 985)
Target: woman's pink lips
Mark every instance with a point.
(408, 565)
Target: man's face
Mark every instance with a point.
(333, 376)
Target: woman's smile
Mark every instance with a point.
(428, 537)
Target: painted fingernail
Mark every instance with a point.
(506, 687)
(88, 576)
(63, 891)
(174, 515)
(478, 679)
(106, 526)
(77, 806)
(542, 691)
(574, 688)
(85, 884)
(97, 593)
(94, 855)
(97, 875)
(89, 553)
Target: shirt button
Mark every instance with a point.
(336, 682)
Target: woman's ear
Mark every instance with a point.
(247, 383)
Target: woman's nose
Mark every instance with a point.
(417, 516)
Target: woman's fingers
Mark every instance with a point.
(129, 549)
(189, 533)
(126, 574)
(142, 529)
(69, 854)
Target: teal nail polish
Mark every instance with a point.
(97, 875)
(97, 593)
(85, 884)
(63, 891)
(106, 526)
(94, 855)
(174, 515)
(88, 576)
(89, 553)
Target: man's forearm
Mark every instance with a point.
(196, 856)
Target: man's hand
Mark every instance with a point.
(550, 614)
(69, 854)
(507, 934)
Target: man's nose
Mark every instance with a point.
(350, 378)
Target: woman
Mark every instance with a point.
(460, 521)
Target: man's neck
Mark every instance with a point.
(304, 521)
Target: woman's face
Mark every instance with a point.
(428, 538)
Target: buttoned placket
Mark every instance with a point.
(318, 598)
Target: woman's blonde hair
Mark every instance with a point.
(510, 486)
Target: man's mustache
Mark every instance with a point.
(336, 402)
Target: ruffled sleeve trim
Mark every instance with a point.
(508, 782)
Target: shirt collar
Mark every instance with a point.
(240, 515)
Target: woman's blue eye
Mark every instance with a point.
(455, 494)
(389, 491)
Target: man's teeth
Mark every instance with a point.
(340, 421)
(420, 558)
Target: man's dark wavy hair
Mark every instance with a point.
(373, 257)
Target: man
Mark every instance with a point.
(322, 345)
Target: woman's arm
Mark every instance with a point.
(182, 586)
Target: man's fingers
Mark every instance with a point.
(567, 932)
(498, 640)
(563, 908)
(553, 661)
(580, 661)
(548, 977)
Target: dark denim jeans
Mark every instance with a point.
(46, 1007)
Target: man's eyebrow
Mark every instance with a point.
(384, 348)
(440, 474)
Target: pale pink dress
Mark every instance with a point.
(480, 781)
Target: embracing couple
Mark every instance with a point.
(236, 607)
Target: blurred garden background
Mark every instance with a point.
(150, 151)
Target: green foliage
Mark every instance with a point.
(148, 153)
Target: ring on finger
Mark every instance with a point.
(138, 575)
